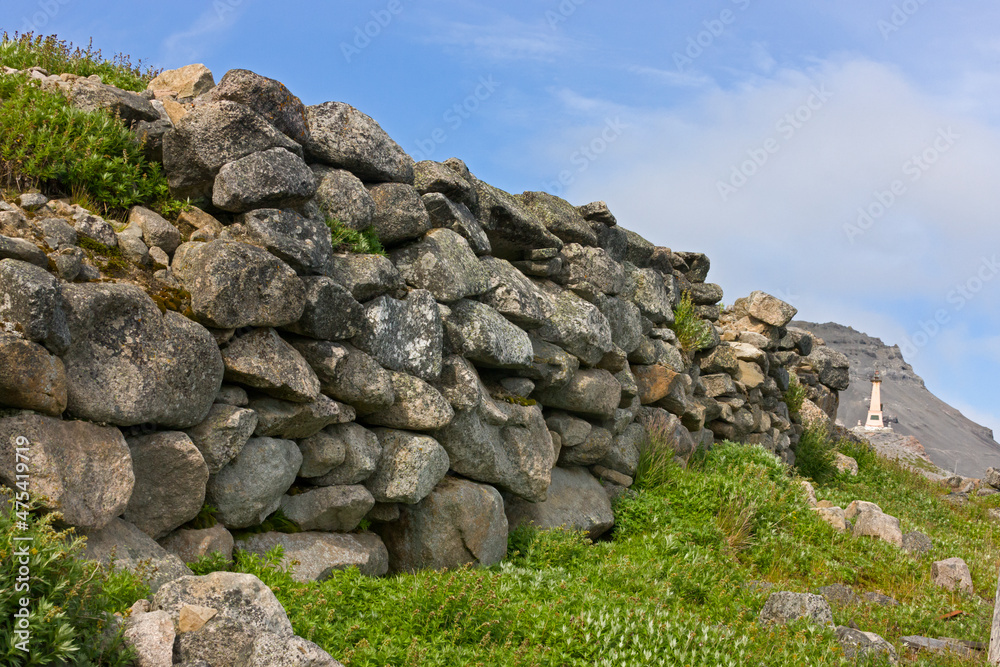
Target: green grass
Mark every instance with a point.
(693, 333)
(345, 239)
(58, 56)
(675, 585)
(795, 396)
(815, 456)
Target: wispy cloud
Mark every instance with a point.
(190, 44)
(671, 77)
(501, 38)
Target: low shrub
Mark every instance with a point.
(815, 456)
(693, 333)
(794, 396)
(345, 239)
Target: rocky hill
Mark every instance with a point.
(951, 440)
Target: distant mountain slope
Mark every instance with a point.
(951, 440)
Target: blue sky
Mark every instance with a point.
(842, 155)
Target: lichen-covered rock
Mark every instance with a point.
(151, 635)
(170, 479)
(250, 487)
(831, 366)
(624, 454)
(410, 467)
(510, 227)
(450, 178)
(442, 263)
(953, 574)
(573, 324)
(26, 251)
(31, 304)
(285, 419)
(625, 321)
(767, 308)
(269, 98)
(576, 501)
(784, 607)
(400, 214)
(269, 650)
(169, 376)
(362, 452)
(418, 406)
(302, 243)
(342, 196)
(270, 178)
(552, 367)
(319, 555)
(512, 295)
(559, 217)
(157, 232)
(646, 289)
(342, 136)
(859, 646)
(590, 272)
(591, 391)
(404, 335)
(459, 522)
(572, 430)
(191, 544)
(222, 434)
(133, 550)
(82, 470)
(30, 377)
(210, 136)
(349, 375)
(261, 359)
(483, 336)
(330, 313)
(184, 82)
(88, 95)
(329, 508)
(321, 453)
(457, 217)
(594, 448)
(236, 285)
(869, 520)
(366, 276)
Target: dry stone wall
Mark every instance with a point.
(503, 363)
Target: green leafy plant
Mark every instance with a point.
(205, 519)
(364, 242)
(58, 56)
(275, 523)
(795, 395)
(693, 333)
(815, 456)
(213, 562)
(656, 456)
(70, 599)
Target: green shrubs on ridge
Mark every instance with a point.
(364, 242)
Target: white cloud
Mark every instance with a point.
(501, 38)
(189, 45)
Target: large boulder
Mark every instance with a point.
(319, 555)
(30, 377)
(170, 479)
(647, 289)
(510, 227)
(459, 522)
(482, 335)
(261, 359)
(342, 196)
(410, 467)
(184, 82)
(400, 214)
(329, 508)
(210, 136)
(442, 263)
(169, 374)
(81, 469)
(302, 243)
(269, 650)
(362, 452)
(131, 549)
(285, 419)
(457, 217)
(236, 285)
(31, 304)
(349, 375)
(366, 276)
(576, 501)
(625, 321)
(342, 136)
(591, 391)
(404, 336)
(573, 324)
(450, 179)
(269, 98)
(191, 544)
(590, 272)
(250, 487)
(222, 434)
(88, 95)
(271, 178)
(512, 295)
(952, 574)
(418, 406)
(331, 313)
(559, 217)
(767, 308)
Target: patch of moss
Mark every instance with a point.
(170, 298)
(516, 400)
(108, 259)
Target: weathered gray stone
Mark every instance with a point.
(442, 263)
(151, 635)
(917, 543)
(133, 550)
(302, 243)
(769, 309)
(321, 453)
(625, 321)
(184, 82)
(270, 178)
(329, 508)
(319, 555)
(646, 289)
(344, 137)
(261, 359)
(595, 447)
(512, 294)
(330, 313)
(366, 276)
(590, 272)
(95, 228)
(718, 384)
(459, 522)
(573, 324)
(410, 467)
(953, 574)
(56, 232)
(170, 479)
(552, 366)
(236, 285)
(231, 394)
(783, 607)
(191, 544)
(81, 469)
(362, 452)
(269, 98)
(831, 366)
(572, 430)
(222, 434)
(399, 213)
(591, 392)
(88, 95)
(871, 521)
(623, 456)
(30, 377)
(559, 217)
(284, 419)
(404, 336)
(349, 375)
(212, 135)
(250, 487)
(483, 336)
(576, 501)
(450, 178)
(170, 376)
(458, 218)
(24, 251)
(510, 227)
(860, 645)
(269, 650)
(418, 406)
(342, 196)
(31, 304)
(156, 230)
